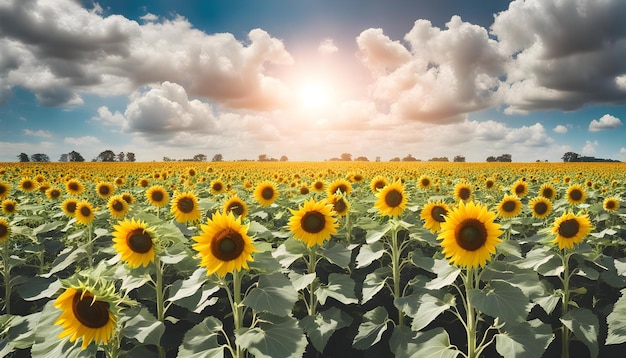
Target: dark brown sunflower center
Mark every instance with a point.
(227, 245)
(340, 206)
(127, 198)
(576, 194)
(73, 186)
(55, 193)
(217, 186)
(186, 205)
(519, 189)
(85, 211)
(27, 184)
(569, 228)
(319, 185)
(304, 190)
(439, 214)
(139, 241)
(425, 182)
(489, 184)
(393, 198)
(9, 207)
(464, 193)
(471, 234)
(267, 193)
(3, 230)
(610, 204)
(509, 206)
(158, 195)
(70, 207)
(90, 313)
(105, 190)
(541, 208)
(379, 184)
(236, 208)
(342, 188)
(313, 222)
(3, 189)
(117, 205)
(547, 193)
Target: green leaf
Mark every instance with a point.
(617, 321)
(340, 287)
(446, 273)
(501, 299)
(65, 258)
(200, 299)
(585, 326)
(47, 227)
(405, 343)
(185, 288)
(524, 340)
(376, 234)
(548, 303)
(323, 325)
(299, 281)
(371, 329)
(424, 308)
(374, 282)
(543, 260)
(509, 248)
(274, 337)
(337, 253)
(274, 294)
(21, 330)
(289, 251)
(48, 345)
(264, 262)
(524, 279)
(144, 327)
(201, 340)
(369, 253)
(38, 288)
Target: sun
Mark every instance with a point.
(314, 95)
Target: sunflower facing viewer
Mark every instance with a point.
(135, 242)
(391, 199)
(314, 222)
(571, 229)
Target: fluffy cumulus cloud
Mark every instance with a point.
(560, 129)
(86, 141)
(59, 50)
(38, 133)
(605, 122)
(440, 76)
(327, 47)
(590, 147)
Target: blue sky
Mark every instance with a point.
(313, 79)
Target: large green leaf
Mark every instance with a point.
(424, 308)
(446, 273)
(20, 330)
(340, 287)
(377, 233)
(404, 343)
(337, 253)
(48, 345)
(374, 282)
(524, 340)
(185, 288)
(524, 279)
(543, 260)
(39, 287)
(144, 327)
(617, 321)
(65, 258)
(201, 340)
(371, 329)
(320, 327)
(369, 253)
(264, 262)
(200, 299)
(585, 326)
(501, 299)
(274, 294)
(274, 337)
(300, 282)
(289, 251)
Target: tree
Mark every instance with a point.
(217, 158)
(168, 159)
(394, 159)
(491, 158)
(120, 156)
(106, 156)
(263, 158)
(409, 158)
(459, 158)
(40, 157)
(130, 157)
(199, 158)
(283, 158)
(346, 157)
(361, 159)
(504, 158)
(23, 157)
(75, 157)
(63, 157)
(570, 157)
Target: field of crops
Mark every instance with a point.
(351, 259)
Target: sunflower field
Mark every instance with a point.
(350, 259)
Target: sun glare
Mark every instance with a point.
(314, 96)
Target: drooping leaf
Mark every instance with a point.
(299, 281)
(340, 287)
(144, 327)
(48, 345)
(585, 326)
(274, 294)
(369, 253)
(527, 339)
(501, 299)
(337, 253)
(374, 282)
(404, 343)
(424, 308)
(264, 262)
(446, 273)
(65, 258)
(371, 329)
(274, 337)
(185, 288)
(39, 287)
(617, 321)
(289, 251)
(201, 340)
(320, 327)
(376, 234)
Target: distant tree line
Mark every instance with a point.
(73, 156)
(502, 158)
(575, 157)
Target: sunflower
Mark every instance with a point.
(119, 181)
(576, 194)
(489, 183)
(69, 206)
(540, 207)
(236, 206)
(105, 190)
(318, 186)
(313, 222)
(143, 182)
(377, 183)
(265, 193)
(5, 230)
(224, 245)
(53, 193)
(118, 207)
(509, 207)
(462, 191)
(88, 311)
(424, 182)
(157, 196)
(571, 229)
(519, 188)
(391, 199)
(433, 214)
(74, 187)
(469, 235)
(185, 207)
(611, 204)
(27, 185)
(9, 206)
(217, 186)
(84, 212)
(344, 186)
(547, 191)
(135, 242)
(129, 198)
(340, 204)
(5, 188)
(304, 189)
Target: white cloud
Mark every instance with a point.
(85, 141)
(38, 133)
(607, 121)
(327, 47)
(622, 150)
(590, 147)
(560, 129)
(107, 118)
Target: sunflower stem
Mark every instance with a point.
(6, 274)
(565, 333)
(312, 306)
(158, 287)
(237, 309)
(89, 247)
(395, 268)
(348, 228)
(471, 314)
